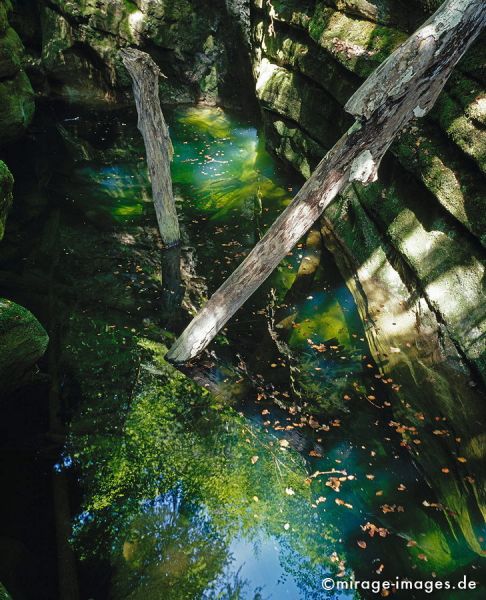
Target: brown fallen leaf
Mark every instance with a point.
(340, 502)
(361, 544)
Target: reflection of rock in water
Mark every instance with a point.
(438, 408)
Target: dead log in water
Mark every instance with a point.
(404, 87)
(158, 146)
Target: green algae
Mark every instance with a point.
(211, 121)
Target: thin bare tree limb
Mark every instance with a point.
(404, 87)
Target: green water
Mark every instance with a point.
(294, 468)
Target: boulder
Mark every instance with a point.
(23, 341)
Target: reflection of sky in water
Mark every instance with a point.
(259, 564)
(219, 169)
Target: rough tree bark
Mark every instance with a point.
(158, 146)
(405, 86)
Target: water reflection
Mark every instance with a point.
(232, 497)
(296, 468)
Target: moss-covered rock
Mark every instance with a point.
(194, 45)
(359, 45)
(293, 12)
(412, 346)
(4, 17)
(464, 124)
(338, 46)
(11, 50)
(446, 174)
(6, 184)
(293, 97)
(386, 12)
(16, 107)
(449, 267)
(23, 341)
(292, 52)
(16, 94)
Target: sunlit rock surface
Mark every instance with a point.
(202, 50)
(308, 59)
(410, 246)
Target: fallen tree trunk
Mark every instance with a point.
(404, 87)
(151, 123)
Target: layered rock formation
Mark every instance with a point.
(201, 47)
(411, 246)
(308, 59)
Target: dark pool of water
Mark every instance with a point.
(174, 492)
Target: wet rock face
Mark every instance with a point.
(197, 44)
(16, 94)
(6, 184)
(412, 245)
(308, 58)
(22, 342)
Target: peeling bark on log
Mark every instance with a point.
(158, 146)
(404, 87)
